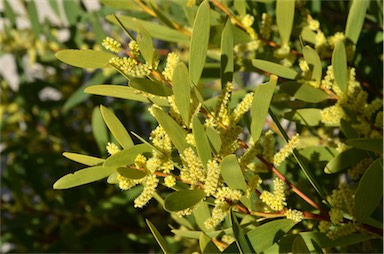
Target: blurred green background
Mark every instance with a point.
(44, 112)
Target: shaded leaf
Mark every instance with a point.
(274, 68)
(260, 105)
(304, 92)
(149, 86)
(99, 130)
(201, 140)
(172, 128)
(83, 176)
(285, 13)
(182, 91)
(299, 246)
(345, 160)
(226, 53)
(159, 238)
(116, 127)
(267, 234)
(232, 173)
(314, 62)
(347, 129)
(214, 139)
(199, 42)
(339, 64)
(369, 144)
(242, 240)
(126, 156)
(86, 58)
(305, 116)
(369, 192)
(145, 43)
(183, 199)
(355, 19)
(207, 245)
(131, 173)
(320, 153)
(83, 159)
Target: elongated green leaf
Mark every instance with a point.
(144, 40)
(214, 139)
(240, 6)
(369, 192)
(83, 176)
(207, 245)
(260, 104)
(369, 144)
(131, 173)
(304, 92)
(314, 62)
(356, 19)
(83, 159)
(150, 86)
(226, 54)
(305, 116)
(347, 129)
(116, 127)
(308, 35)
(34, 18)
(9, 13)
(320, 153)
(182, 91)
(155, 30)
(299, 246)
(242, 240)
(267, 234)
(72, 11)
(112, 179)
(201, 140)
(199, 42)
(339, 64)
(274, 68)
(99, 130)
(345, 160)
(232, 173)
(316, 240)
(285, 13)
(86, 58)
(172, 128)
(126, 156)
(201, 213)
(159, 238)
(183, 199)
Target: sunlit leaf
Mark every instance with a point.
(182, 90)
(83, 159)
(285, 13)
(34, 17)
(207, 245)
(260, 105)
(199, 42)
(232, 173)
(172, 128)
(305, 116)
(131, 173)
(159, 237)
(183, 199)
(144, 40)
(345, 160)
(116, 127)
(201, 140)
(83, 176)
(274, 68)
(355, 19)
(226, 54)
(369, 144)
(86, 58)
(314, 62)
(267, 234)
(126, 156)
(369, 192)
(304, 92)
(201, 213)
(339, 64)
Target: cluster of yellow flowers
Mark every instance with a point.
(275, 200)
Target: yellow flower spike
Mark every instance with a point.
(111, 44)
(241, 108)
(294, 215)
(150, 184)
(172, 60)
(212, 180)
(169, 181)
(286, 150)
(112, 148)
